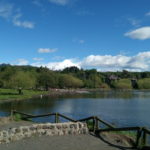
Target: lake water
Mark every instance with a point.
(128, 108)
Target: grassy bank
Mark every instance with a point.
(12, 94)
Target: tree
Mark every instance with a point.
(21, 80)
(144, 83)
(72, 69)
(47, 79)
(122, 84)
(68, 81)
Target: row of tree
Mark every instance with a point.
(28, 77)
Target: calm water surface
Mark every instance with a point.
(130, 108)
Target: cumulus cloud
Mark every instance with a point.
(139, 62)
(105, 61)
(60, 2)
(10, 12)
(140, 33)
(22, 61)
(47, 50)
(24, 24)
(58, 65)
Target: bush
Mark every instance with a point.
(1, 84)
(122, 84)
(69, 81)
(144, 83)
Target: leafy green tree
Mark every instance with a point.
(22, 79)
(144, 83)
(47, 79)
(1, 84)
(122, 84)
(68, 81)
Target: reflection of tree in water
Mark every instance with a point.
(28, 106)
(48, 104)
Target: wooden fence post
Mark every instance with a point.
(144, 139)
(93, 124)
(11, 115)
(97, 123)
(56, 118)
(139, 132)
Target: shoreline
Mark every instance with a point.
(61, 92)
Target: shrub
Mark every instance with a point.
(144, 83)
(122, 84)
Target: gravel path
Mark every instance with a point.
(78, 142)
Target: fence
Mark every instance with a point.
(95, 125)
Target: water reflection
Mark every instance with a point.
(123, 108)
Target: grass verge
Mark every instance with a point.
(12, 94)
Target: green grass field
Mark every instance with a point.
(12, 94)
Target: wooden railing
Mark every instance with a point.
(57, 116)
(95, 125)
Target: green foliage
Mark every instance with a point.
(144, 83)
(93, 79)
(90, 124)
(17, 117)
(131, 134)
(68, 81)
(1, 83)
(47, 79)
(122, 84)
(28, 77)
(22, 79)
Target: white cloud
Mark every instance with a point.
(47, 50)
(106, 61)
(139, 62)
(24, 24)
(134, 22)
(10, 12)
(22, 61)
(58, 65)
(6, 10)
(38, 59)
(60, 2)
(37, 3)
(147, 14)
(140, 33)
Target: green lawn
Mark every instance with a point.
(12, 94)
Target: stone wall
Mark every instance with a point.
(47, 129)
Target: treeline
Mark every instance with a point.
(28, 77)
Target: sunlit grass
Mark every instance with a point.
(12, 94)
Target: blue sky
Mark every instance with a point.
(109, 35)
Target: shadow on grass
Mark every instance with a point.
(4, 93)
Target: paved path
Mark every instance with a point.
(70, 142)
